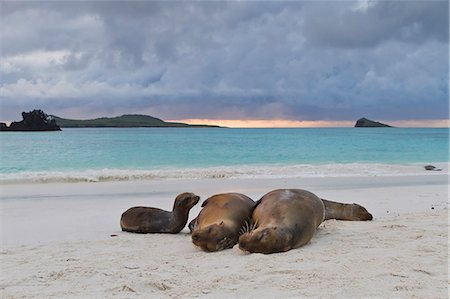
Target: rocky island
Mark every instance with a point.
(367, 123)
(35, 120)
(124, 121)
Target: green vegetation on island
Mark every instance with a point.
(124, 121)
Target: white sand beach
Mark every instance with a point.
(56, 243)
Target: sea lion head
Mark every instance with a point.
(266, 240)
(186, 200)
(214, 237)
(360, 213)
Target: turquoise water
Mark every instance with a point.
(177, 148)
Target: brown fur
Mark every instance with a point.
(284, 219)
(153, 220)
(288, 218)
(218, 224)
(343, 211)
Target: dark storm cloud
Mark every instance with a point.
(234, 60)
(412, 21)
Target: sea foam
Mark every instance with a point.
(225, 172)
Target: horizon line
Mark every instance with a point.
(282, 123)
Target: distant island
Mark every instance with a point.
(35, 120)
(367, 123)
(124, 121)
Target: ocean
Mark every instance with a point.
(108, 154)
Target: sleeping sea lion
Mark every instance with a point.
(432, 167)
(218, 224)
(333, 210)
(288, 218)
(153, 220)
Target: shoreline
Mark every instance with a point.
(256, 171)
(57, 237)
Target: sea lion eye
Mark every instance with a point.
(262, 235)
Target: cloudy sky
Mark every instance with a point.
(293, 61)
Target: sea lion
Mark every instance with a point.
(218, 224)
(432, 167)
(333, 210)
(153, 220)
(284, 219)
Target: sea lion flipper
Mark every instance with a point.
(344, 211)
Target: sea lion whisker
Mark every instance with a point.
(224, 243)
(254, 225)
(243, 229)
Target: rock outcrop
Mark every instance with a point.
(367, 123)
(35, 120)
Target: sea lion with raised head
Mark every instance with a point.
(218, 224)
(284, 219)
(145, 220)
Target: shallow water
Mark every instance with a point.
(146, 153)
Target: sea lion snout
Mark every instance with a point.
(195, 199)
(243, 242)
(196, 237)
(265, 240)
(206, 238)
(214, 237)
(187, 199)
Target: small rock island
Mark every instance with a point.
(367, 123)
(35, 120)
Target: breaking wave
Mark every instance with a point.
(226, 172)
